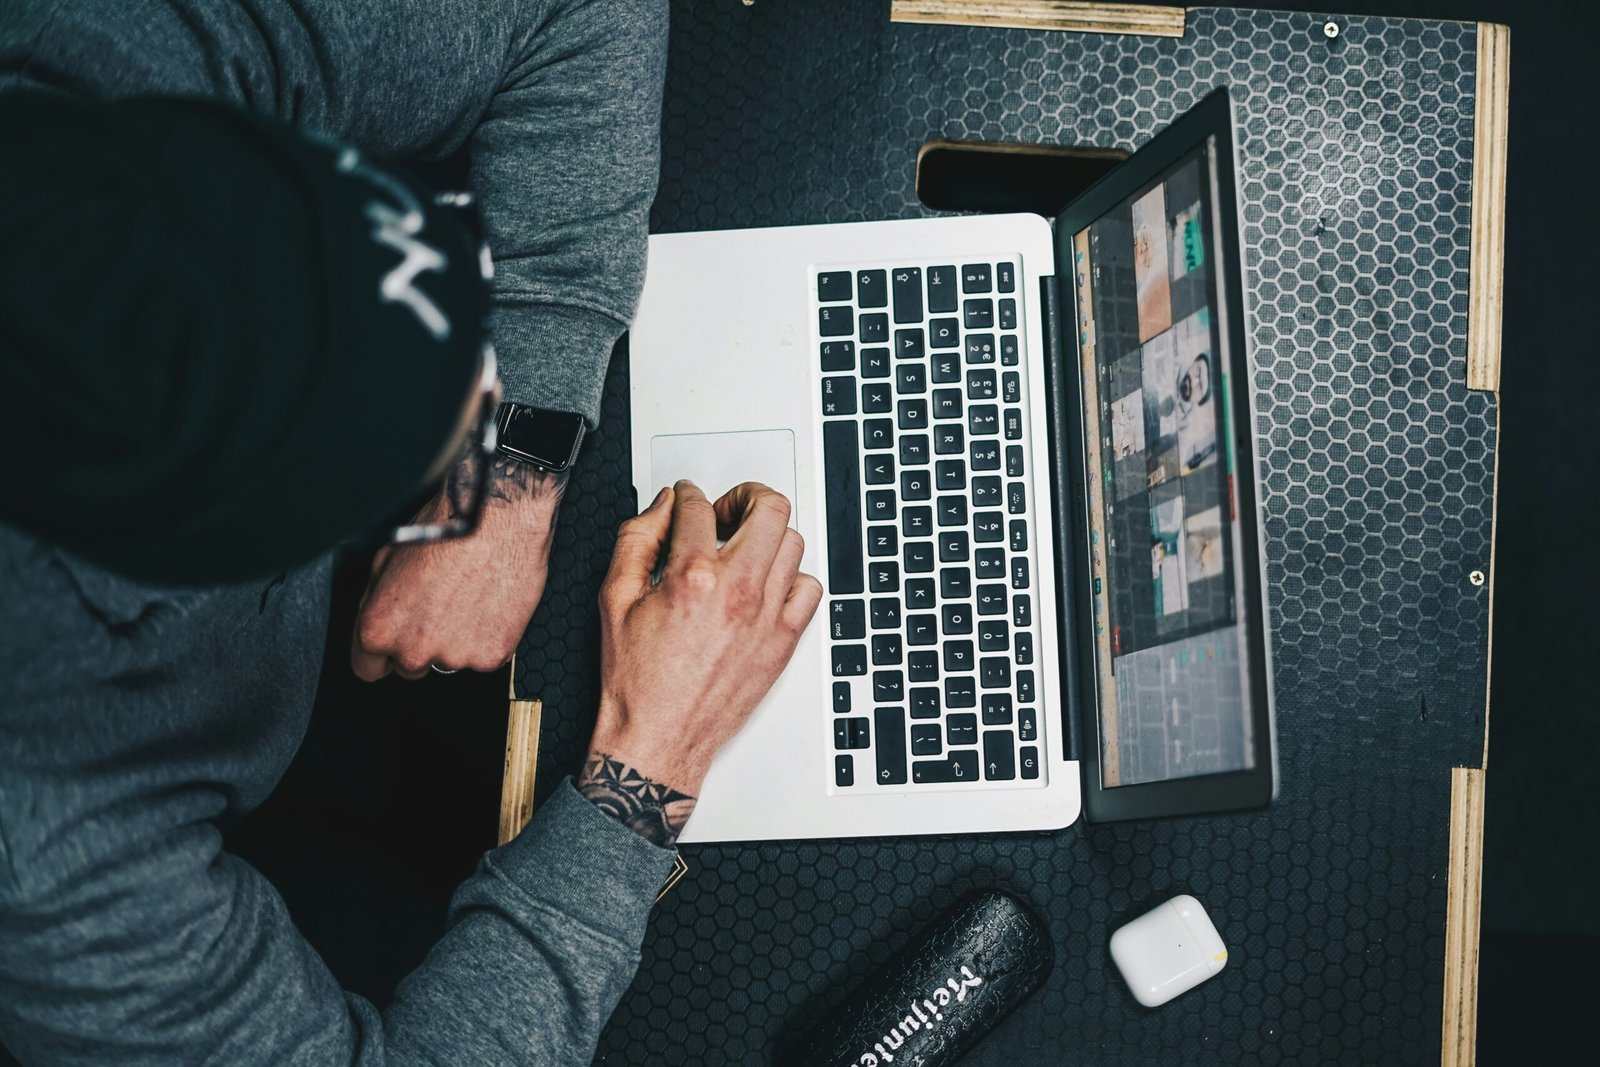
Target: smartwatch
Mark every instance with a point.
(547, 439)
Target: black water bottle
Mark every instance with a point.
(937, 998)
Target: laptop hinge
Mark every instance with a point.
(1057, 365)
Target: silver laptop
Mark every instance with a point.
(890, 379)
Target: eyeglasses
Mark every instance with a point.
(466, 483)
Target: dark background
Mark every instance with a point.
(395, 791)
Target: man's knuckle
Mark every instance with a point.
(699, 574)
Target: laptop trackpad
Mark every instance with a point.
(717, 462)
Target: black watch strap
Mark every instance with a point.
(547, 439)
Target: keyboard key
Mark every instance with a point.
(890, 724)
(847, 620)
(886, 651)
(922, 629)
(913, 414)
(849, 660)
(1016, 498)
(911, 378)
(888, 687)
(919, 594)
(883, 577)
(907, 294)
(874, 287)
(841, 481)
(961, 691)
(833, 285)
(959, 767)
(978, 314)
(1025, 689)
(952, 511)
(1030, 762)
(985, 492)
(925, 739)
(949, 440)
(841, 696)
(957, 619)
(980, 348)
(955, 583)
(922, 667)
(997, 709)
(844, 771)
(838, 355)
(988, 526)
(914, 449)
(881, 541)
(944, 333)
(1005, 277)
(885, 613)
(875, 434)
(880, 506)
(1011, 387)
(836, 321)
(1014, 461)
(1024, 654)
(981, 385)
(1008, 314)
(950, 474)
(991, 562)
(992, 635)
(1009, 350)
(917, 522)
(1027, 724)
(961, 729)
(1019, 572)
(1019, 535)
(909, 344)
(918, 557)
(958, 655)
(994, 672)
(946, 404)
(991, 600)
(925, 702)
(945, 369)
(874, 329)
(999, 754)
(953, 546)
(851, 733)
(975, 278)
(1013, 424)
(916, 485)
(942, 292)
(839, 397)
(876, 398)
(1021, 611)
(874, 362)
(983, 456)
(983, 420)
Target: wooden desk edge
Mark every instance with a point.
(1486, 270)
(1066, 15)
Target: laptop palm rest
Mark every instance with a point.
(717, 462)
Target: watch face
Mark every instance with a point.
(546, 438)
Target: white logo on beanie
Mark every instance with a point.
(396, 226)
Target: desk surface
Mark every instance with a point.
(1357, 173)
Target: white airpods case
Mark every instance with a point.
(1168, 950)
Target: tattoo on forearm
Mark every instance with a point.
(654, 811)
(509, 480)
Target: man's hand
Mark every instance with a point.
(684, 662)
(461, 604)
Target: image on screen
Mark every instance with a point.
(1165, 551)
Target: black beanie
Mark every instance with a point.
(225, 345)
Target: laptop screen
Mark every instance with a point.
(1165, 553)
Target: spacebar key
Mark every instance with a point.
(841, 478)
(889, 738)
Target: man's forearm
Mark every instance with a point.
(651, 809)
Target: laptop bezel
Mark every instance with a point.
(1240, 790)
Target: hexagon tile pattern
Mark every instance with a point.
(1355, 166)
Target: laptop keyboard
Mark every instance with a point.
(930, 577)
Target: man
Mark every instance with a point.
(558, 104)
(176, 411)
